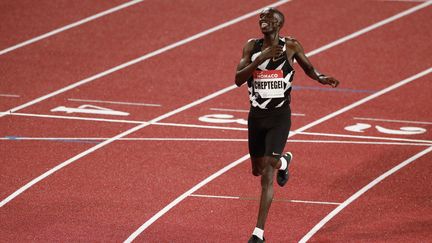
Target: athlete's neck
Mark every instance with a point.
(271, 39)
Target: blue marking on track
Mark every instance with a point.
(12, 137)
(56, 140)
(296, 87)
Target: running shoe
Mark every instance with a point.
(255, 239)
(283, 175)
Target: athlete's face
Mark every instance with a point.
(268, 21)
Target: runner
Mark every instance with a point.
(266, 66)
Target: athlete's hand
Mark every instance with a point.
(328, 80)
(271, 52)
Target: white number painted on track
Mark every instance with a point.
(90, 109)
(361, 127)
(402, 131)
(222, 118)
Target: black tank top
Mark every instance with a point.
(270, 85)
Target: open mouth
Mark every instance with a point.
(264, 25)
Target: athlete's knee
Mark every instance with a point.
(267, 177)
(258, 166)
(271, 160)
(256, 172)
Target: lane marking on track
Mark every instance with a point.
(106, 142)
(219, 127)
(201, 34)
(372, 27)
(142, 58)
(97, 139)
(114, 102)
(390, 120)
(206, 32)
(9, 95)
(75, 118)
(364, 137)
(245, 157)
(257, 199)
(69, 26)
(247, 111)
(359, 193)
(408, 1)
(202, 183)
(233, 110)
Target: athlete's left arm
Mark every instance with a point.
(308, 68)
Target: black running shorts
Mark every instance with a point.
(268, 133)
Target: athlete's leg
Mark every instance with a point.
(260, 163)
(266, 190)
(256, 142)
(275, 140)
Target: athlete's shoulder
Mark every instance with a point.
(252, 41)
(291, 40)
(250, 44)
(292, 43)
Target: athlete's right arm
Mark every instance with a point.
(245, 68)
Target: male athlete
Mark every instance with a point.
(266, 66)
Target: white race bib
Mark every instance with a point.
(269, 83)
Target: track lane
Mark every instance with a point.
(99, 197)
(312, 179)
(146, 79)
(395, 210)
(414, 67)
(22, 19)
(108, 42)
(384, 107)
(24, 160)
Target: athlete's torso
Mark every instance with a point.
(270, 85)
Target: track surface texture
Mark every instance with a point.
(120, 122)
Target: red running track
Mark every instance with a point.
(108, 194)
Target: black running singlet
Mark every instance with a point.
(270, 85)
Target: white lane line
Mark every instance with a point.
(217, 127)
(114, 102)
(364, 137)
(233, 110)
(86, 139)
(193, 189)
(276, 200)
(70, 26)
(314, 202)
(245, 157)
(408, 1)
(390, 120)
(106, 142)
(361, 192)
(247, 111)
(142, 58)
(358, 142)
(184, 196)
(201, 34)
(10, 95)
(75, 118)
(372, 27)
(213, 196)
(370, 97)
(200, 126)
